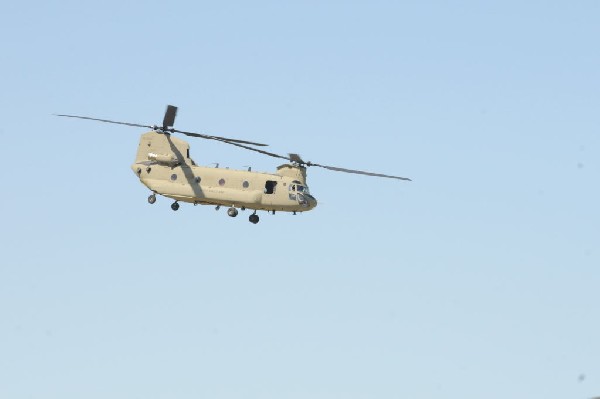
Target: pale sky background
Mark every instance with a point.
(479, 279)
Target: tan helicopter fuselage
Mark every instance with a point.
(163, 164)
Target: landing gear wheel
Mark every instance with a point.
(253, 218)
(232, 212)
(151, 199)
(175, 206)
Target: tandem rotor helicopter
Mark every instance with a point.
(163, 164)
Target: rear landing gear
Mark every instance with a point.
(152, 199)
(253, 218)
(232, 212)
(175, 206)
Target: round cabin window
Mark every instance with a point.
(245, 184)
(222, 182)
(173, 177)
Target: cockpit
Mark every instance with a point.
(298, 187)
(300, 192)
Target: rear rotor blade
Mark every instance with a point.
(169, 119)
(218, 138)
(271, 154)
(296, 158)
(105, 120)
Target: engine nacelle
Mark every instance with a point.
(164, 159)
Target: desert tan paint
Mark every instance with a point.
(163, 164)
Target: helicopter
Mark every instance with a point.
(163, 164)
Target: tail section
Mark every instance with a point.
(162, 148)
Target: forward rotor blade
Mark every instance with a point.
(218, 138)
(296, 157)
(357, 172)
(105, 120)
(169, 119)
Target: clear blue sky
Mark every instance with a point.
(479, 279)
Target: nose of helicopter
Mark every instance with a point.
(312, 202)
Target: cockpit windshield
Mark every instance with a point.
(299, 188)
(303, 189)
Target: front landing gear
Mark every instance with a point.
(151, 199)
(175, 206)
(253, 218)
(232, 212)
